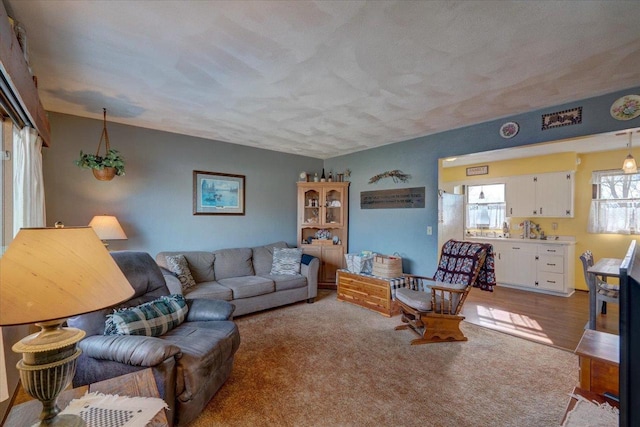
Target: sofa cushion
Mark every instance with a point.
(210, 290)
(205, 347)
(178, 265)
(233, 263)
(200, 263)
(287, 281)
(263, 257)
(286, 261)
(152, 319)
(143, 275)
(248, 286)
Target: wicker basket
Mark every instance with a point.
(388, 267)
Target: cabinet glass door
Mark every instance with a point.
(311, 208)
(333, 207)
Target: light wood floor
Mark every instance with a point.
(551, 320)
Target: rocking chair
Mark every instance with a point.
(431, 306)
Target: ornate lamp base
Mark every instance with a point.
(47, 367)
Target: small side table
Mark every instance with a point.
(599, 354)
(139, 383)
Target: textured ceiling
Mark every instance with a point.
(324, 78)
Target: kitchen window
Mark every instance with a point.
(486, 207)
(615, 203)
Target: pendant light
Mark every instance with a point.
(629, 164)
(481, 196)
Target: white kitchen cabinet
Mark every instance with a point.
(554, 194)
(540, 195)
(520, 196)
(515, 263)
(534, 265)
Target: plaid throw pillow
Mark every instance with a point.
(152, 319)
(286, 261)
(178, 264)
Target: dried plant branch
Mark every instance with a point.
(396, 175)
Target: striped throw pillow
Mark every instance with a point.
(152, 319)
(286, 261)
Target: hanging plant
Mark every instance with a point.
(105, 167)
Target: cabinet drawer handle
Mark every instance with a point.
(514, 247)
(551, 250)
(551, 281)
(551, 265)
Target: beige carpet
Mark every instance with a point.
(335, 364)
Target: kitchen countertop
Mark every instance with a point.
(562, 240)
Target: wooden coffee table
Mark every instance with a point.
(140, 383)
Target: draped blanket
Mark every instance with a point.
(461, 263)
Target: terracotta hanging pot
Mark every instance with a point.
(105, 174)
(107, 166)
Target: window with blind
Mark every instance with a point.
(615, 203)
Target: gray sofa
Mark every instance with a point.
(190, 362)
(242, 277)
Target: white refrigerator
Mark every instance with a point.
(450, 217)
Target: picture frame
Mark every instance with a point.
(216, 193)
(569, 117)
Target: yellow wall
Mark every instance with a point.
(602, 245)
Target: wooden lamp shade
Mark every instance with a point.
(55, 273)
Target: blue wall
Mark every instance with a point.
(405, 230)
(153, 201)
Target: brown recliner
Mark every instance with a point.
(190, 363)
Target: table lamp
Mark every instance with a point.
(107, 227)
(46, 276)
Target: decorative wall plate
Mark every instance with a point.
(509, 130)
(626, 108)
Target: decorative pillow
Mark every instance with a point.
(152, 319)
(178, 264)
(286, 261)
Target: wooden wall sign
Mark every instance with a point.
(478, 170)
(393, 199)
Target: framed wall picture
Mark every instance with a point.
(217, 193)
(562, 118)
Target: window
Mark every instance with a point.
(615, 203)
(486, 207)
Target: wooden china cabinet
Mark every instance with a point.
(323, 216)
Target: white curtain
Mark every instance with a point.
(28, 183)
(615, 207)
(492, 214)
